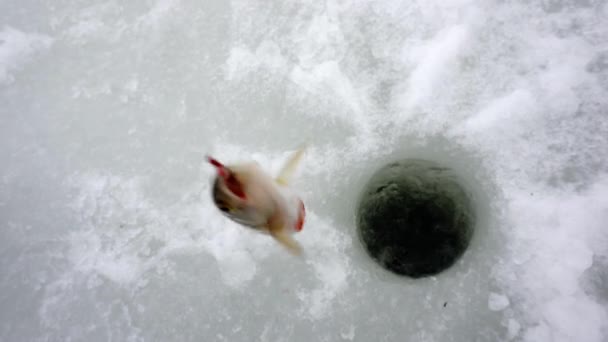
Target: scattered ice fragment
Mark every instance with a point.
(513, 328)
(497, 302)
(349, 334)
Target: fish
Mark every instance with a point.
(251, 197)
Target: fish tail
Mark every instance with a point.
(290, 166)
(288, 242)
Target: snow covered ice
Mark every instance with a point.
(107, 109)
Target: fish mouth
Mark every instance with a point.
(229, 178)
(235, 187)
(221, 169)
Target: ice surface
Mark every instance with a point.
(16, 48)
(107, 110)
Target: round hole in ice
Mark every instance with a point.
(414, 218)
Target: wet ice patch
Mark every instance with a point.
(17, 48)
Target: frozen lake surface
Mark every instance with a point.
(107, 109)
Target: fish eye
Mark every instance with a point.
(223, 206)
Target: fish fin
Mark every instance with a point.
(277, 231)
(290, 166)
(287, 241)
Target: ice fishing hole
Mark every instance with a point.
(414, 218)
